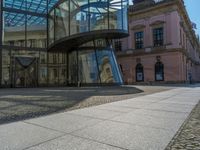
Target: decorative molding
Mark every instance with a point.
(136, 27)
(157, 22)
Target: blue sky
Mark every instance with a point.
(192, 7)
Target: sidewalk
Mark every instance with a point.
(142, 123)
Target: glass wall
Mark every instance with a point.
(108, 68)
(125, 14)
(19, 68)
(13, 29)
(25, 61)
(115, 15)
(94, 65)
(88, 68)
(6, 67)
(73, 68)
(80, 16)
(57, 68)
(42, 68)
(51, 27)
(98, 15)
(36, 34)
(61, 21)
(24, 42)
(24, 30)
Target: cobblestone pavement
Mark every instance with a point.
(24, 103)
(188, 137)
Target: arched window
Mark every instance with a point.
(139, 72)
(159, 71)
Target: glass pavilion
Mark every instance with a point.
(60, 42)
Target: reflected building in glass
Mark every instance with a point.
(60, 42)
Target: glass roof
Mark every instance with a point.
(37, 6)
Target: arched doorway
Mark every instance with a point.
(159, 71)
(139, 73)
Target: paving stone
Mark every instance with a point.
(116, 108)
(127, 136)
(26, 103)
(64, 122)
(188, 137)
(147, 98)
(189, 95)
(162, 114)
(167, 123)
(95, 113)
(181, 100)
(17, 136)
(170, 107)
(69, 142)
(133, 104)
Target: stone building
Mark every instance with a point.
(162, 45)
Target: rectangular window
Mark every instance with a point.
(158, 36)
(139, 40)
(118, 45)
(55, 73)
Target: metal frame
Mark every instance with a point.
(1, 22)
(13, 8)
(26, 9)
(96, 4)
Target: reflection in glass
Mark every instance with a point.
(115, 15)
(74, 17)
(24, 68)
(125, 14)
(73, 68)
(57, 68)
(32, 6)
(107, 66)
(98, 15)
(88, 71)
(6, 67)
(36, 32)
(78, 17)
(25, 71)
(51, 27)
(14, 29)
(42, 78)
(62, 21)
(27, 63)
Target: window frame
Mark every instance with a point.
(158, 36)
(139, 39)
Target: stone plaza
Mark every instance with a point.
(148, 121)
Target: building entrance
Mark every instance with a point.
(25, 71)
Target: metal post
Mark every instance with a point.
(1, 24)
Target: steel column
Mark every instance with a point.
(1, 28)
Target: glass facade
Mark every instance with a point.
(93, 65)
(28, 27)
(83, 16)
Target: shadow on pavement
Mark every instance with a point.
(20, 104)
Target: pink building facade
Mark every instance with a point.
(162, 46)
